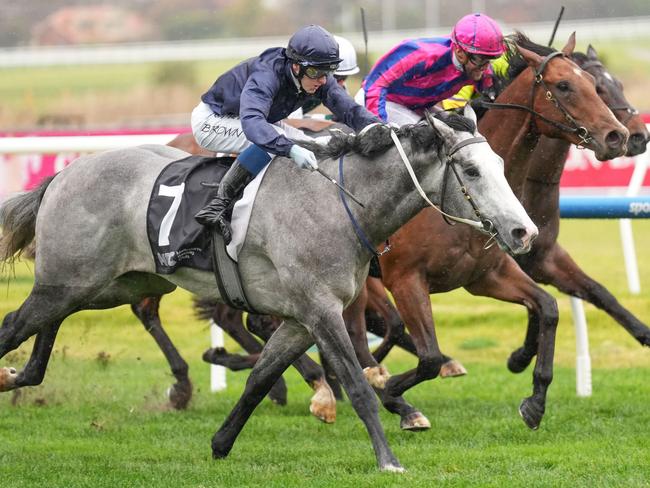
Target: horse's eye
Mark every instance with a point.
(472, 172)
(563, 86)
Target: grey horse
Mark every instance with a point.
(301, 259)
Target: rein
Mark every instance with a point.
(483, 225)
(355, 225)
(575, 128)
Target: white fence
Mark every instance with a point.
(240, 48)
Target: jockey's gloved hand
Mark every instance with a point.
(304, 158)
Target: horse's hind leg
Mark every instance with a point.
(180, 392)
(558, 269)
(42, 314)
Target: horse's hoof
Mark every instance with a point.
(179, 395)
(323, 403)
(517, 362)
(376, 376)
(531, 413)
(644, 339)
(392, 468)
(451, 369)
(415, 422)
(219, 451)
(8, 379)
(212, 355)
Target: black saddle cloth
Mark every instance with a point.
(176, 239)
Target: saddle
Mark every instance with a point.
(177, 239)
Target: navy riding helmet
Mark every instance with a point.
(313, 46)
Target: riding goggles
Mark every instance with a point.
(479, 60)
(315, 72)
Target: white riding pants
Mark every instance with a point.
(224, 133)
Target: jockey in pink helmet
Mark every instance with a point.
(419, 73)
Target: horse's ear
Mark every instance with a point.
(469, 113)
(533, 59)
(443, 129)
(570, 45)
(591, 53)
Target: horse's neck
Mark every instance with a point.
(548, 160)
(509, 132)
(385, 187)
(542, 189)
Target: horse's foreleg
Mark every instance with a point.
(180, 393)
(558, 269)
(283, 348)
(323, 402)
(383, 319)
(334, 342)
(376, 374)
(509, 283)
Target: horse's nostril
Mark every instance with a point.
(637, 139)
(519, 233)
(614, 139)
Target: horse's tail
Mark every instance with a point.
(204, 307)
(18, 221)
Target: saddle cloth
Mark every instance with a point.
(176, 239)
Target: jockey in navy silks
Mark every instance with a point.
(243, 110)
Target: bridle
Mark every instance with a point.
(483, 225)
(574, 128)
(629, 109)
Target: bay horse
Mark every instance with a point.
(429, 256)
(89, 224)
(548, 262)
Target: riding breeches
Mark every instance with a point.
(224, 133)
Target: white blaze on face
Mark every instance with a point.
(578, 71)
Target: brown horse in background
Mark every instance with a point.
(548, 262)
(548, 95)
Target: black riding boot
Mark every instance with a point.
(213, 214)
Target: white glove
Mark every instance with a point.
(304, 158)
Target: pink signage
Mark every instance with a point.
(19, 172)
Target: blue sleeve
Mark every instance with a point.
(255, 103)
(345, 108)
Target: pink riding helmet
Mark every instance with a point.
(478, 34)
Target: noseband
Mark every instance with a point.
(450, 163)
(581, 132)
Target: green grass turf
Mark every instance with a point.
(100, 418)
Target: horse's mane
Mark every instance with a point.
(377, 140)
(516, 63)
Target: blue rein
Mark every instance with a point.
(357, 228)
